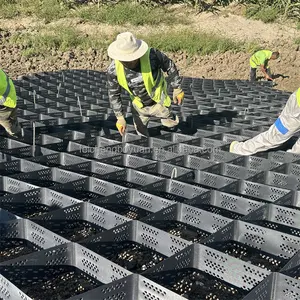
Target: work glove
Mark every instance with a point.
(121, 125)
(178, 96)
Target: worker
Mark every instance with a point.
(8, 105)
(138, 69)
(282, 130)
(261, 59)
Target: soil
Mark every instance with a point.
(14, 248)
(228, 22)
(251, 255)
(130, 255)
(61, 282)
(73, 230)
(27, 210)
(197, 285)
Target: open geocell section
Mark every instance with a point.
(188, 218)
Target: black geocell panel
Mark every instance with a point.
(86, 214)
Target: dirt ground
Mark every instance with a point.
(228, 23)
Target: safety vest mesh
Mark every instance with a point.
(259, 58)
(8, 95)
(157, 90)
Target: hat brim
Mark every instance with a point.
(114, 53)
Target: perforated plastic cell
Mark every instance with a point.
(289, 169)
(255, 163)
(133, 203)
(61, 272)
(165, 170)
(20, 237)
(276, 217)
(292, 267)
(48, 177)
(276, 286)
(57, 159)
(279, 156)
(132, 287)
(135, 246)
(187, 222)
(6, 143)
(7, 216)
(10, 291)
(206, 179)
(88, 188)
(80, 221)
(290, 182)
(127, 160)
(232, 171)
(261, 246)
(174, 190)
(255, 191)
(92, 168)
(12, 186)
(35, 202)
(130, 178)
(199, 272)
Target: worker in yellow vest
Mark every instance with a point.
(287, 124)
(261, 59)
(138, 69)
(8, 105)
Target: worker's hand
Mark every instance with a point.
(269, 78)
(121, 125)
(178, 96)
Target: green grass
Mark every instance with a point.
(297, 41)
(60, 38)
(119, 14)
(135, 14)
(195, 43)
(65, 38)
(267, 14)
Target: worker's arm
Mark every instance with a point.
(263, 69)
(168, 66)
(114, 91)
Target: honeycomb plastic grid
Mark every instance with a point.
(55, 108)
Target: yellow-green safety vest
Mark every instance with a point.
(298, 96)
(8, 96)
(155, 89)
(258, 58)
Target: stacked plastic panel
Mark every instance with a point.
(86, 214)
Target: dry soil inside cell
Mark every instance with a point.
(13, 248)
(221, 211)
(86, 196)
(251, 255)
(127, 210)
(73, 230)
(168, 196)
(129, 255)
(180, 229)
(197, 285)
(27, 210)
(51, 282)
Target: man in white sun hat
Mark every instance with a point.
(138, 69)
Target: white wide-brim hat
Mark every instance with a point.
(127, 48)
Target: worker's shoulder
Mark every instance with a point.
(111, 69)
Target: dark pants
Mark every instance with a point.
(253, 73)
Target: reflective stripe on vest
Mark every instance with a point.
(8, 96)
(298, 96)
(156, 90)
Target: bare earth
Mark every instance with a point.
(227, 23)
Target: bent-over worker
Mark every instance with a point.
(8, 105)
(261, 59)
(287, 124)
(138, 69)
